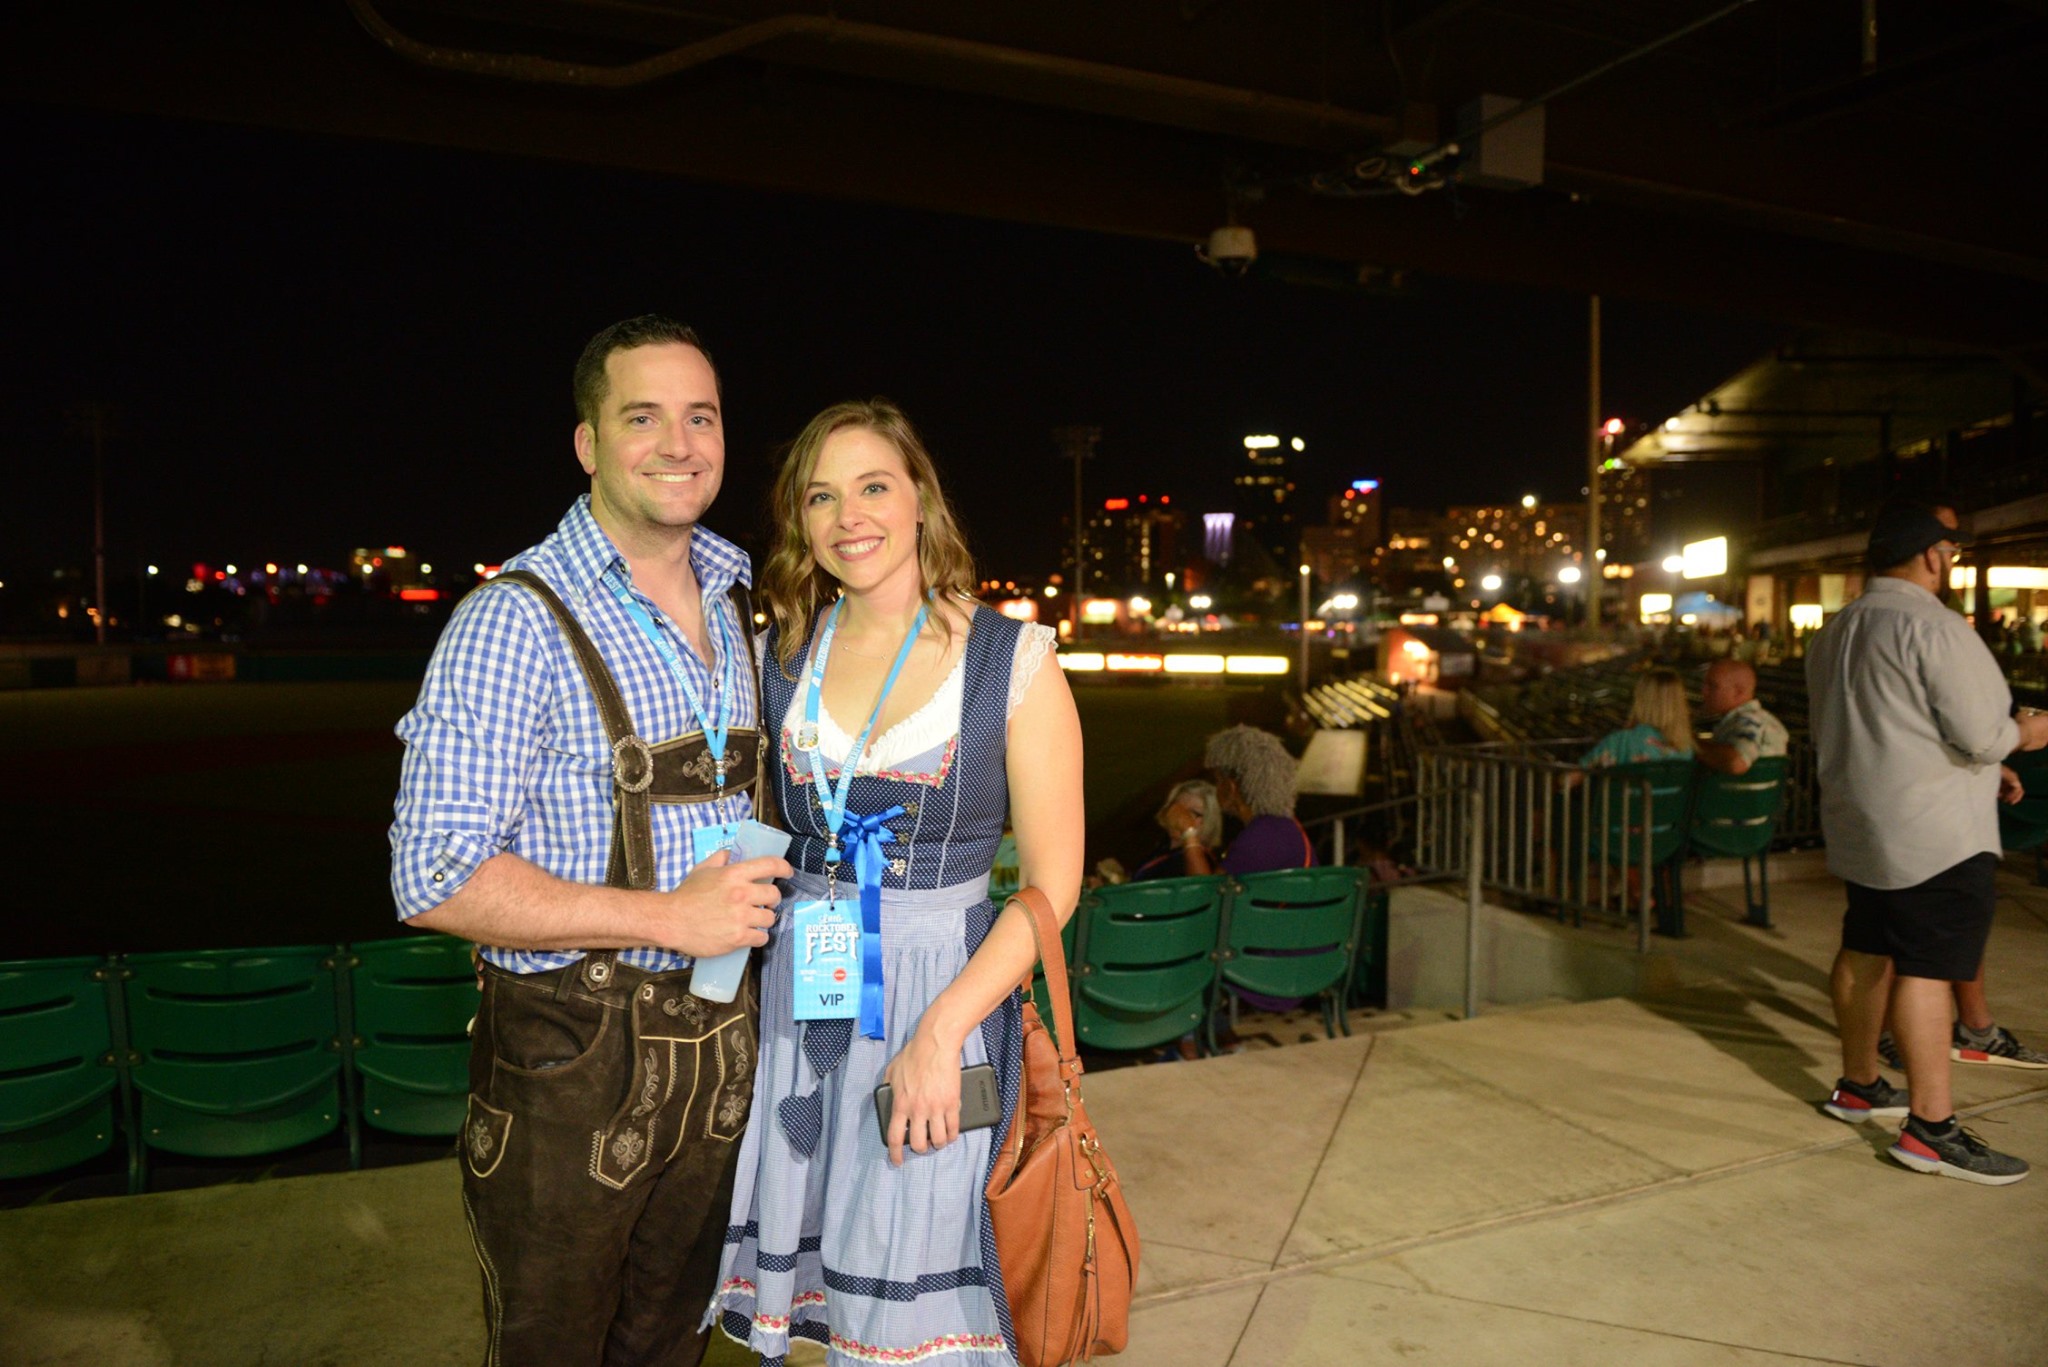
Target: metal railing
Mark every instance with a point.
(1548, 834)
(1579, 841)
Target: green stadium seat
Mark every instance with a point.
(1617, 828)
(1295, 933)
(61, 1093)
(2024, 825)
(1369, 973)
(412, 1000)
(1735, 816)
(1144, 961)
(237, 1052)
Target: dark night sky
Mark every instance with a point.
(316, 344)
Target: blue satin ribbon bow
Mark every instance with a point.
(867, 835)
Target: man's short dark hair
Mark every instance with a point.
(649, 329)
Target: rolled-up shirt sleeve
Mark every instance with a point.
(472, 747)
(1971, 702)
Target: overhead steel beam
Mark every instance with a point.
(311, 69)
(944, 63)
(1996, 41)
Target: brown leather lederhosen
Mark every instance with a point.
(679, 770)
(606, 1101)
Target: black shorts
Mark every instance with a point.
(1934, 929)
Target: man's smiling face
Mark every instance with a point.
(656, 454)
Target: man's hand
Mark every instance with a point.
(723, 906)
(2010, 789)
(2033, 728)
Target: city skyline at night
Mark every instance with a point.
(310, 344)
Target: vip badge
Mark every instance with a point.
(825, 962)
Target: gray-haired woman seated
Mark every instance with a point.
(1255, 779)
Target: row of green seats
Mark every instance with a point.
(2023, 825)
(1150, 962)
(1693, 811)
(230, 1053)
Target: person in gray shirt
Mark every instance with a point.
(1744, 732)
(1911, 717)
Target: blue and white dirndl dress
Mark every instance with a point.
(828, 1241)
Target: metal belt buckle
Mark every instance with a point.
(632, 764)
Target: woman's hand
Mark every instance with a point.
(1178, 820)
(924, 1109)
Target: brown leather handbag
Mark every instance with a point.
(1065, 1238)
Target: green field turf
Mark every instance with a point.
(195, 816)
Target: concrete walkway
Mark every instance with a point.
(1634, 1181)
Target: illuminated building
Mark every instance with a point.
(1530, 538)
(1132, 542)
(1624, 511)
(1358, 507)
(1264, 486)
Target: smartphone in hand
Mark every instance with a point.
(981, 1105)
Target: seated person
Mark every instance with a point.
(1255, 779)
(1255, 784)
(1190, 815)
(1743, 732)
(1659, 726)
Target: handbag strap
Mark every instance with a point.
(1045, 929)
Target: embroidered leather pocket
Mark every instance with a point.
(734, 1047)
(485, 1132)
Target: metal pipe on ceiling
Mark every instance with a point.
(951, 63)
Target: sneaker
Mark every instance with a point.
(1856, 1102)
(1888, 1053)
(1995, 1045)
(1956, 1153)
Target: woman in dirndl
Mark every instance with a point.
(907, 725)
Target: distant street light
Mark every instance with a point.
(1491, 583)
(1568, 575)
(1200, 602)
(1673, 564)
(1528, 500)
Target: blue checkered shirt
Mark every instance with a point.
(505, 749)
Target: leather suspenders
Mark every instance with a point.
(676, 770)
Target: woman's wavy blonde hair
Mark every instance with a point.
(795, 585)
(1660, 702)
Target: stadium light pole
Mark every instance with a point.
(1595, 446)
(1304, 630)
(1078, 444)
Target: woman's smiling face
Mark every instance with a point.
(861, 512)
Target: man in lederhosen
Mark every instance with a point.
(583, 717)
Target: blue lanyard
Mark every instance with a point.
(714, 721)
(867, 834)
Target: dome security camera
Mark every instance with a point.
(1230, 249)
